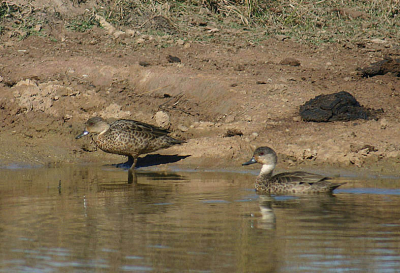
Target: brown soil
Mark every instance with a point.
(224, 98)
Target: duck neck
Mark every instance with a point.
(105, 128)
(265, 173)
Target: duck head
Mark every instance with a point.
(95, 125)
(265, 156)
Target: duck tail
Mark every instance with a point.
(174, 141)
(178, 141)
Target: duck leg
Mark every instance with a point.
(134, 163)
(132, 178)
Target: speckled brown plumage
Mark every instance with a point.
(288, 182)
(128, 137)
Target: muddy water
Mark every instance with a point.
(93, 221)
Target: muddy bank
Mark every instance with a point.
(224, 99)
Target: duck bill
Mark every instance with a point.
(251, 161)
(84, 133)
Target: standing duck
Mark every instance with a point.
(288, 182)
(128, 137)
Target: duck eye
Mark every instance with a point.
(261, 153)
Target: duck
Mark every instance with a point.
(287, 182)
(128, 137)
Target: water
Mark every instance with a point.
(93, 221)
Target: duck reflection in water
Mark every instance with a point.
(267, 219)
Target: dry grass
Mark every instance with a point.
(307, 21)
(316, 21)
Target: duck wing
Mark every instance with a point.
(137, 126)
(298, 177)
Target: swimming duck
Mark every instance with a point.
(288, 182)
(128, 137)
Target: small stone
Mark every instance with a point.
(182, 128)
(144, 63)
(297, 119)
(173, 59)
(290, 61)
(230, 118)
(383, 123)
(233, 132)
(180, 42)
(162, 119)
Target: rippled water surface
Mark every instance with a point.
(88, 219)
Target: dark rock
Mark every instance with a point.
(144, 63)
(341, 106)
(382, 67)
(233, 132)
(173, 59)
(290, 61)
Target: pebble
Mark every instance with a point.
(182, 128)
(162, 119)
(383, 123)
(230, 118)
(290, 61)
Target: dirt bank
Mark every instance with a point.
(49, 88)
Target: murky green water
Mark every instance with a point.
(190, 222)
